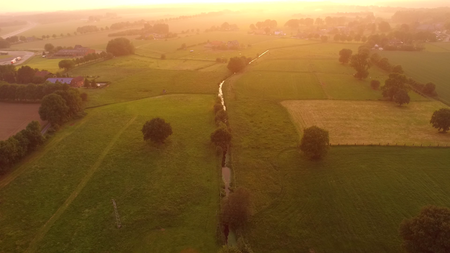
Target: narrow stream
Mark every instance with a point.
(226, 171)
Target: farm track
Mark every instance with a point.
(36, 156)
(44, 229)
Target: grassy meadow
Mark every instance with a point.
(167, 196)
(60, 198)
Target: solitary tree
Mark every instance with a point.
(236, 209)
(237, 64)
(49, 47)
(66, 64)
(221, 137)
(441, 119)
(54, 109)
(157, 130)
(344, 55)
(429, 89)
(429, 232)
(314, 142)
(120, 47)
(401, 97)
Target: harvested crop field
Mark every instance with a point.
(370, 122)
(15, 117)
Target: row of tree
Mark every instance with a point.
(29, 92)
(23, 75)
(17, 146)
(69, 64)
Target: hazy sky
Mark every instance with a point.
(51, 5)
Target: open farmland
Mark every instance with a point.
(425, 67)
(167, 196)
(370, 122)
(43, 63)
(15, 117)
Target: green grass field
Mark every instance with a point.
(167, 196)
(425, 67)
(43, 63)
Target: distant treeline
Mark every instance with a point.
(148, 29)
(422, 15)
(19, 145)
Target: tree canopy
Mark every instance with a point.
(314, 142)
(429, 232)
(401, 97)
(66, 64)
(441, 119)
(393, 84)
(236, 208)
(344, 55)
(237, 64)
(157, 130)
(360, 62)
(221, 137)
(120, 47)
(54, 109)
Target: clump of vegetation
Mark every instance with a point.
(401, 97)
(157, 130)
(221, 137)
(427, 232)
(344, 55)
(441, 119)
(360, 62)
(16, 147)
(120, 47)
(236, 209)
(314, 142)
(238, 64)
(393, 85)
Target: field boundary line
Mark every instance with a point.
(35, 156)
(44, 229)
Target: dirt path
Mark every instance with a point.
(44, 229)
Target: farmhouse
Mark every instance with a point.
(75, 82)
(77, 51)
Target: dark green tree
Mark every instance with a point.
(25, 74)
(221, 137)
(157, 130)
(238, 64)
(314, 142)
(236, 209)
(54, 109)
(344, 55)
(49, 47)
(120, 47)
(429, 89)
(441, 119)
(360, 62)
(66, 64)
(429, 232)
(401, 97)
(393, 84)
(33, 135)
(73, 101)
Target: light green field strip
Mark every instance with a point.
(42, 232)
(35, 157)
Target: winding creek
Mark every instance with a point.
(226, 171)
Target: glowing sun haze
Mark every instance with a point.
(52, 5)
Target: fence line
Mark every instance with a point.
(413, 145)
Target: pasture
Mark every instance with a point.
(425, 67)
(43, 63)
(370, 122)
(15, 117)
(167, 195)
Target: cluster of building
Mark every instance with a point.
(77, 51)
(234, 44)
